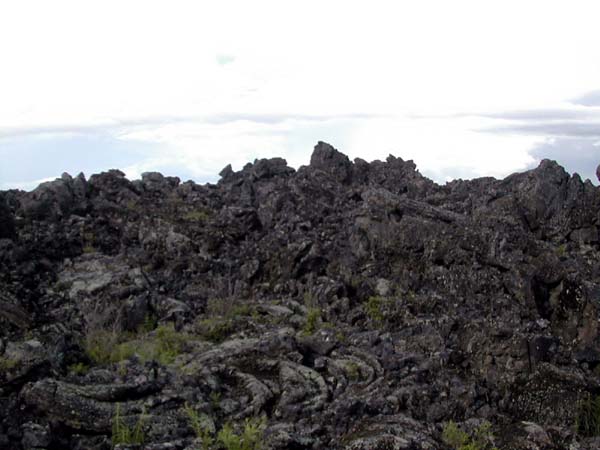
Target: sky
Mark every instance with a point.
(463, 88)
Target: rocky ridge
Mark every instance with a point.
(347, 305)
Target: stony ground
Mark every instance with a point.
(346, 305)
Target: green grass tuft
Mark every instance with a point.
(215, 329)
(201, 427)
(251, 437)
(588, 416)
(125, 434)
(313, 321)
(79, 368)
(481, 438)
(7, 363)
(163, 345)
(374, 309)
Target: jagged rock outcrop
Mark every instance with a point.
(352, 305)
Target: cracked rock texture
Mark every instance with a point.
(351, 305)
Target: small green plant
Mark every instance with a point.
(250, 439)
(7, 363)
(79, 368)
(241, 310)
(215, 399)
(227, 308)
(215, 329)
(374, 309)
(309, 300)
(100, 345)
(587, 422)
(150, 324)
(88, 243)
(131, 206)
(313, 321)
(163, 345)
(481, 438)
(201, 428)
(353, 370)
(198, 215)
(252, 436)
(169, 344)
(341, 336)
(228, 438)
(103, 332)
(125, 434)
(454, 436)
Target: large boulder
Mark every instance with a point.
(56, 199)
(329, 160)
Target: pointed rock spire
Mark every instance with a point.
(326, 158)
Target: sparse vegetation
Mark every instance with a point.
(353, 370)
(88, 243)
(7, 363)
(222, 318)
(131, 206)
(198, 215)
(227, 308)
(251, 437)
(168, 344)
(228, 438)
(150, 323)
(163, 345)
(309, 300)
(374, 309)
(215, 399)
(313, 321)
(103, 330)
(102, 346)
(105, 346)
(122, 433)
(201, 427)
(588, 416)
(79, 368)
(481, 438)
(215, 329)
(341, 336)
(352, 305)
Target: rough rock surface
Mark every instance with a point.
(352, 305)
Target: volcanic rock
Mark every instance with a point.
(345, 305)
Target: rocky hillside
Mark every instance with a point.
(345, 305)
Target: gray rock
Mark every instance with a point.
(349, 304)
(36, 436)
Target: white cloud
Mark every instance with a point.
(178, 73)
(446, 146)
(25, 185)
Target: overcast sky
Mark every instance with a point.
(464, 88)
